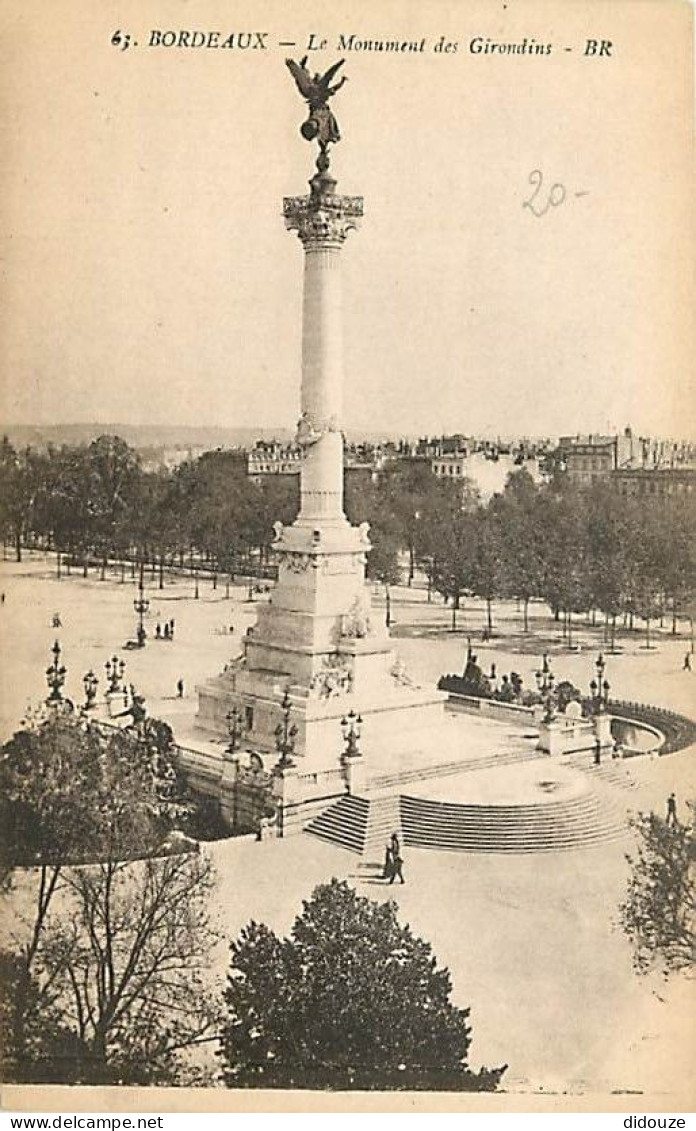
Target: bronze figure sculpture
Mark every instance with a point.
(317, 90)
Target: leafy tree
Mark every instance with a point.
(36, 1048)
(350, 1000)
(72, 792)
(452, 539)
(522, 541)
(66, 514)
(408, 496)
(383, 563)
(486, 569)
(111, 489)
(566, 571)
(658, 913)
(22, 481)
(679, 559)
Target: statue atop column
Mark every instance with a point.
(317, 90)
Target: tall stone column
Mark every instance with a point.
(317, 645)
(322, 220)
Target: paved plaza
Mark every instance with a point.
(531, 941)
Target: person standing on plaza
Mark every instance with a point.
(397, 868)
(671, 810)
(597, 752)
(180, 688)
(171, 628)
(158, 630)
(395, 846)
(687, 662)
(388, 863)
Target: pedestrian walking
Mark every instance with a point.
(397, 869)
(671, 810)
(158, 631)
(180, 688)
(687, 662)
(395, 846)
(597, 752)
(166, 632)
(171, 628)
(388, 863)
(2, 598)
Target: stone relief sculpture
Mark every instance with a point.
(356, 624)
(399, 673)
(335, 679)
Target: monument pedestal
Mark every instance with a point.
(318, 639)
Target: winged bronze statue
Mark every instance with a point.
(317, 90)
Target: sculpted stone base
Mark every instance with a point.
(319, 639)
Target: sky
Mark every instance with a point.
(147, 276)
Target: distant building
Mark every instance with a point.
(273, 458)
(450, 467)
(435, 446)
(656, 482)
(588, 459)
(161, 457)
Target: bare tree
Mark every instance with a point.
(127, 962)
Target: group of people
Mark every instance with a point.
(166, 633)
(393, 861)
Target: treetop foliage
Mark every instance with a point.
(659, 911)
(351, 999)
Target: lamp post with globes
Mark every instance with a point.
(91, 684)
(600, 687)
(351, 725)
(141, 605)
(55, 678)
(114, 673)
(545, 681)
(285, 734)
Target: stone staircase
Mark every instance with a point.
(364, 824)
(386, 783)
(612, 771)
(549, 827)
(344, 823)
(384, 819)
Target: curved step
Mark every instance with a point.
(576, 822)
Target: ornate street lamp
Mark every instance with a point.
(55, 678)
(91, 684)
(544, 676)
(285, 734)
(550, 701)
(351, 725)
(114, 673)
(235, 728)
(600, 687)
(141, 605)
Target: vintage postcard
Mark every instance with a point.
(348, 506)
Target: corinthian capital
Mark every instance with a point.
(322, 221)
